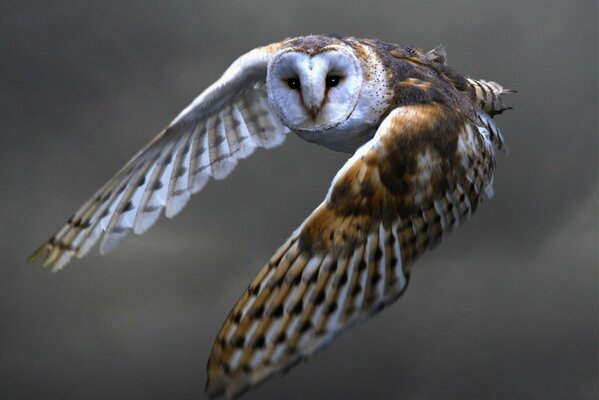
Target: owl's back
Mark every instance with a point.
(417, 76)
(420, 76)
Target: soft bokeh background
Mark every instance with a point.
(504, 309)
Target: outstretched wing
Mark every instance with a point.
(224, 124)
(423, 173)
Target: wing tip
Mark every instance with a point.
(112, 239)
(223, 168)
(40, 252)
(49, 262)
(176, 204)
(215, 377)
(231, 389)
(233, 384)
(213, 391)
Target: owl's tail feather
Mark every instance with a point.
(488, 96)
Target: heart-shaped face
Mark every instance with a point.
(314, 92)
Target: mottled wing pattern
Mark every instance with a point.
(487, 98)
(423, 173)
(224, 124)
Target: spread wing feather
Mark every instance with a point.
(227, 122)
(424, 172)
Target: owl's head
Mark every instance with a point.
(314, 89)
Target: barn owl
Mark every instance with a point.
(423, 142)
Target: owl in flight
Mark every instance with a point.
(423, 143)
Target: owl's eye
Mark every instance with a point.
(294, 83)
(332, 80)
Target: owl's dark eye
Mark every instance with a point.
(333, 80)
(294, 83)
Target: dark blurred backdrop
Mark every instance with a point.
(504, 309)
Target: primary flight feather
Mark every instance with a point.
(423, 141)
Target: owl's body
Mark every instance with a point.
(423, 140)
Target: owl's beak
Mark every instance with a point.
(313, 99)
(314, 111)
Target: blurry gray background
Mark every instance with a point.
(504, 309)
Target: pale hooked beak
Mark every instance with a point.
(314, 111)
(313, 97)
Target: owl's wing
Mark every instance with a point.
(424, 172)
(222, 125)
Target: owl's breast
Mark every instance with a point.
(345, 141)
